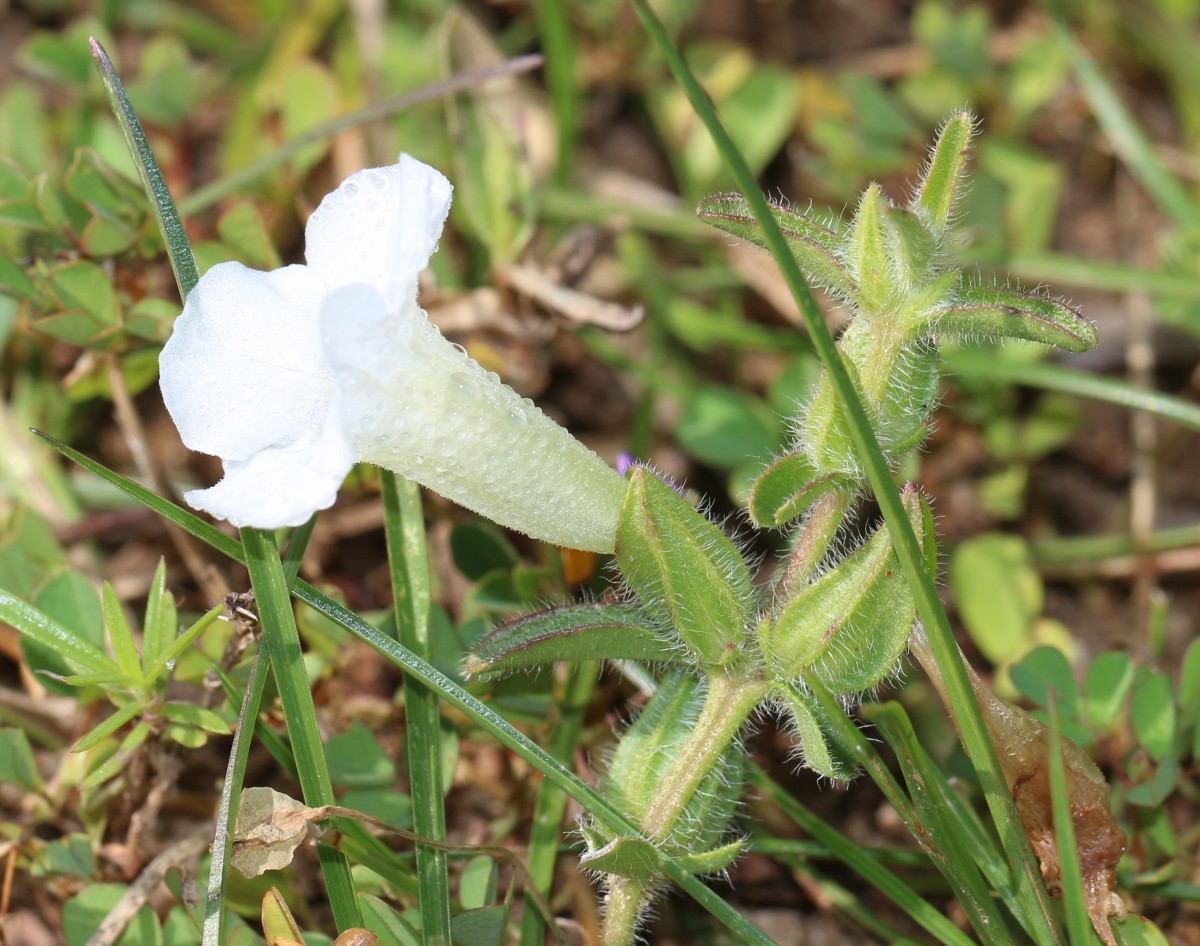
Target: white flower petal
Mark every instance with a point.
(243, 369)
(280, 486)
(379, 227)
(418, 405)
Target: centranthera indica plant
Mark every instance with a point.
(835, 623)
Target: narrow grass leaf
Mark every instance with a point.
(958, 865)
(188, 521)
(204, 197)
(183, 264)
(404, 527)
(282, 642)
(559, 49)
(293, 555)
(1051, 376)
(1127, 138)
(1079, 926)
(551, 803)
(227, 811)
(39, 627)
(862, 862)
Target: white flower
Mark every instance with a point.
(292, 376)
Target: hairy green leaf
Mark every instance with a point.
(999, 312)
(788, 487)
(815, 247)
(580, 632)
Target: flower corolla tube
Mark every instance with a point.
(293, 376)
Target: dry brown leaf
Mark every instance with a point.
(271, 825)
(1023, 745)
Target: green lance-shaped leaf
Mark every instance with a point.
(815, 247)
(941, 184)
(645, 751)
(688, 574)
(899, 383)
(40, 627)
(999, 312)
(712, 861)
(868, 257)
(849, 626)
(582, 632)
(786, 488)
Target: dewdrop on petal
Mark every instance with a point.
(293, 376)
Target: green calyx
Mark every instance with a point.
(639, 775)
(847, 627)
(687, 574)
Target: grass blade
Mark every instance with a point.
(1059, 551)
(858, 859)
(555, 32)
(1051, 376)
(282, 643)
(975, 739)
(183, 263)
(958, 865)
(188, 521)
(1079, 926)
(294, 553)
(235, 773)
(404, 526)
(1111, 275)
(551, 801)
(204, 197)
(1126, 136)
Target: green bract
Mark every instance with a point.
(688, 574)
